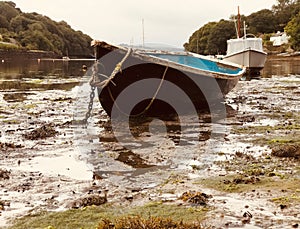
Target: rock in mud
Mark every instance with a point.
(246, 118)
(198, 198)
(5, 146)
(42, 132)
(246, 217)
(89, 200)
(286, 151)
(4, 174)
(243, 180)
(4, 204)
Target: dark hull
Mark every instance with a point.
(146, 86)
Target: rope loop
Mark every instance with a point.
(118, 68)
(150, 103)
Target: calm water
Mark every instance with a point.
(43, 69)
(281, 66)
(19, 69)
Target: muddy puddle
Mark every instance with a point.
(48, 160)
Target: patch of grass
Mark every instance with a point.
(283, 140)
(265, 183)
(82, 218)
(286, 138)
(246, 173)
(29, 106)
(175, 212)
(92, 217)
(227, 184)
(288, 115)
(287, 199)
(8, 46)
(11, 121)
(174, 178)
(264, 129)
(36, 81)
(149, 223)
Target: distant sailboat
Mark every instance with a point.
(66, 58)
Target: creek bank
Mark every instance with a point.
(27, 54)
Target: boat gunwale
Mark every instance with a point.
(244, 39)
(190, 69)
(245, 50)
(141, 54)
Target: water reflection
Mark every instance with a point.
(281, 66)
(42, 68)
(57, 68)
(40, 74)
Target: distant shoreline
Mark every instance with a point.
(30, 54)
(9, 54)
(294, 55)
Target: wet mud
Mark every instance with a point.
(244, 169)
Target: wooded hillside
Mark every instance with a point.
(33, 31)
(284, 16)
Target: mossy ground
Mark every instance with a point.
(98, 216)
(279, 176)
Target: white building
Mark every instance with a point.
(280, 38)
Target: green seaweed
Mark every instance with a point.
(91, 217)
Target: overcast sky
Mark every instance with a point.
(120, 21)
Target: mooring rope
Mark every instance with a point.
(118, 68)
(109, 79)
(149, 105)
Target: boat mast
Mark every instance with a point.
(143, 33)
(239, 24)
(245, 28)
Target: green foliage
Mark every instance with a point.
(137, 222)
(6, 46)
(218, 36)
(4, 22)
(198, 42)
(8, 10)
(37, 32)
(293, 29)
(211, 38)
(262, 21)
(152, 215)
(284, 11)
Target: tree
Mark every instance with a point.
(284, 11)
(7, 10)
(20, 23)
(35, 31)
(220, 33)
(211, 38)
(199, 40)
(4, 23)
(293, 29)
(262, 21)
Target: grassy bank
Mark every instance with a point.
(152, 215)
(8, 46)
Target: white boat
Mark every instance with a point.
(246, 51)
